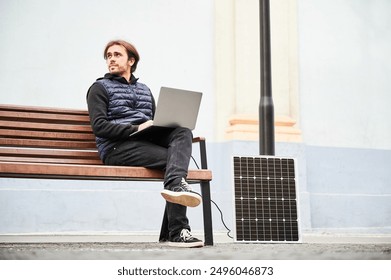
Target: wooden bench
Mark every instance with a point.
(53, 143)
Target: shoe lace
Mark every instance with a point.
(185, 186)
(185, 234)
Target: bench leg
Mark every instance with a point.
(164, 234)
(206, 199)
(207, 210)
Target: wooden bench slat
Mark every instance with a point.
(45, 126)
(85, 171)
(38, 109)
(32, 134)
(54, 153)
(39, 117)
(52, 160)
(46, 143)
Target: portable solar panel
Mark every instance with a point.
(265, 198)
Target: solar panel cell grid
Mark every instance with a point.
(265, 199)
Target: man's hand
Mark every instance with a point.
(145, 125)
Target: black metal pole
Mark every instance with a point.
(266, 107)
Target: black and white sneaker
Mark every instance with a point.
(182, 194)
(185, 240)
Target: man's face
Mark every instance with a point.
(117, 61)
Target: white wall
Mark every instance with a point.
(51, 51)
(345, 67)
(345, 70)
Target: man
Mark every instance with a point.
(119, 105)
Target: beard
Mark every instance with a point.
(118, 70)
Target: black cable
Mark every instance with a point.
(218, 208)
(222, 219)
(195, 162)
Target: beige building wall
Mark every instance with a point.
(238, 70)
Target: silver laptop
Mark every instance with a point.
(175, 108)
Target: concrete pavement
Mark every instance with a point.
(313, 247)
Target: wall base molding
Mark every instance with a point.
(246, 127)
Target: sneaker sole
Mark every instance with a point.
(198, 244)
(183, 198)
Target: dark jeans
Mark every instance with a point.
(169, 150)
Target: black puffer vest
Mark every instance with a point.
(128, 104)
